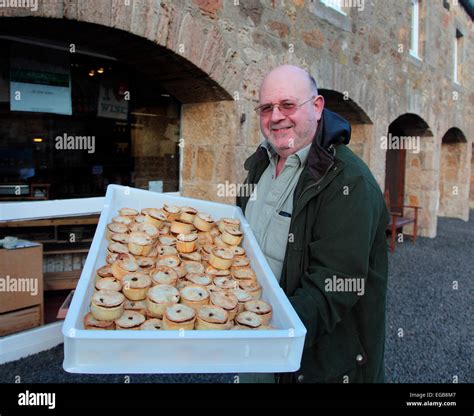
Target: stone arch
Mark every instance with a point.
(202, 76)
(454, 175)
(362, 126)
(411, 175)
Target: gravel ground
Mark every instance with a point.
(429, 324)
(435, 319)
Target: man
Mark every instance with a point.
(319, 217)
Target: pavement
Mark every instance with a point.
(429, 328)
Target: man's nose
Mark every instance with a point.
(277, 114)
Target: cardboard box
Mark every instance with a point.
(21, 279)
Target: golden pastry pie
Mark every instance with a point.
(224, 222)
(109, 283)
(125, 263)
(117, 248)
(135, 285)
(145, 262)
(212, 288)
(225, 282)
(135, 305)
(187, 214)
(104, 271)
(130, 320)
(170, 260)
(194, 256)
(212, 317)
(205, 251)
(248, 319)
(180, 227)
(91, 323)
(238, 251)
(186, 243)
(203, 222)
(111, 257)
(159, 298)
(261, 308)
(128, 212)
(165, 229)
(107, 305)
(200, 279)
(123, 219)
(140, 243)
(225, 300)
(214, 231)
(172, 212)
(120, 238)
(178, 317)
(193, 266)
(116, 228)
(251, 287)
(216, 272)
(221, 258)
(139, 219)
(164, 275)
(167, 240)
(242, 297)
(243, 273)
(180, 270)
(194, 296)
(164, 250)
(219, 243)
(152, 324)
(147, 228)
(232, 236)
(205, 238)
(240, 262)
(154, 216)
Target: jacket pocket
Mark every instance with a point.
(277, 236)
(338, 357)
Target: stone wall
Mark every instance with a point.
(364, 55)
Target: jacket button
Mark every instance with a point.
(359, 358)
(300, 378)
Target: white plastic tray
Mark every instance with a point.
(125, 352)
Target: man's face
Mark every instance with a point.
(289, 133)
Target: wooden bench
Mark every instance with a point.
(398, 220)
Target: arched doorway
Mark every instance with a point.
(362, 127)
(410, 175)
(168, 94)
(454, 177)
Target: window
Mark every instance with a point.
(415, 28)
(457, 58)
(334, 4)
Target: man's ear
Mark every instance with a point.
(319, 106)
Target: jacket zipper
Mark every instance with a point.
(322, 177)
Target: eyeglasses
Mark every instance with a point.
(286, 107)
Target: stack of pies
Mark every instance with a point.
(174, 268)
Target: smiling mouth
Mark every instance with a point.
(281, 129)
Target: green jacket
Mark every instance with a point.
(337, 229)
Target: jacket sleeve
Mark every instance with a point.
(341, 240)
